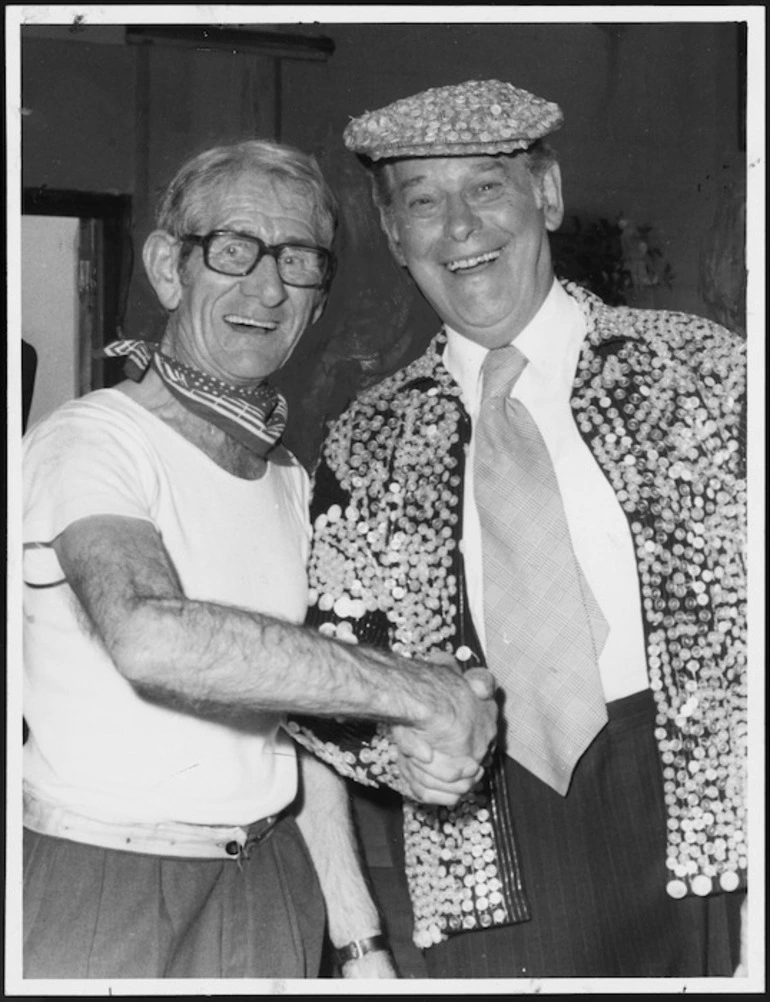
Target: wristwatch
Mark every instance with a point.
(360, 947)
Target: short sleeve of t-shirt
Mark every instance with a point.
(86, 459)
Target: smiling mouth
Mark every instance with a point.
(468, 263)
(236, 320)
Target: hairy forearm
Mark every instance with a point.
(206, 655)
(326, 824)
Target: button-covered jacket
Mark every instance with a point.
(658, 397)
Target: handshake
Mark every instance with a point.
(436, 727)
(444, 754)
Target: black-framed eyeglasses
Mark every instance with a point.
(238, 254)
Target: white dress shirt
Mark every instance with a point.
(600, 534)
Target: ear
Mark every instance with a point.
(319, 308)
(161, 257)
(390, 228)
(551, 200)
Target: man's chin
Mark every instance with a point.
(489, 332)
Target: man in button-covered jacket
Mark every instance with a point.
(630, 860)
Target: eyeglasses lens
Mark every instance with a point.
(236, 255)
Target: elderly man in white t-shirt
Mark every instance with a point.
(168, 829)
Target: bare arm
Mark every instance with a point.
(326, 824)
(222, 660)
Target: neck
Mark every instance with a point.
(152, 394)
(171, 349)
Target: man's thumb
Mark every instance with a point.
(481, 681)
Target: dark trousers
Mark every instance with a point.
(103, 913)
(593, 865)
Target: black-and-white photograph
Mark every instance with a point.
(385, 505)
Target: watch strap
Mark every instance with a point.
(360, 947)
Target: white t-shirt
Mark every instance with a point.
(95, 745)
(598, 527)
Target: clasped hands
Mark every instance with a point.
(444, 758)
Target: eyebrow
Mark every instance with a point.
(302, 241)
(410, 182)
(493, 166)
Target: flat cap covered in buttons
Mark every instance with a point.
(476, 117)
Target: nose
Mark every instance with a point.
(461, 220)
(265, 283)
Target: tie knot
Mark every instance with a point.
(501, 368)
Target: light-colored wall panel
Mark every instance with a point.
(49, 310)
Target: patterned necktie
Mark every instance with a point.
(253, 416)
(544, 628)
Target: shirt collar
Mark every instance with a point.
(551, 342)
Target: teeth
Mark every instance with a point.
(471, 262)
(234, 318)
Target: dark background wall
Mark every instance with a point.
(652, 121)
(653, 133)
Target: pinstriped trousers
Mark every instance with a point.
(593, 865)
(90, 912)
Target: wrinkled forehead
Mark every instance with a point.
(257, 192)
(400, 175)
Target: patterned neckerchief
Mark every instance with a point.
(254, 416)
